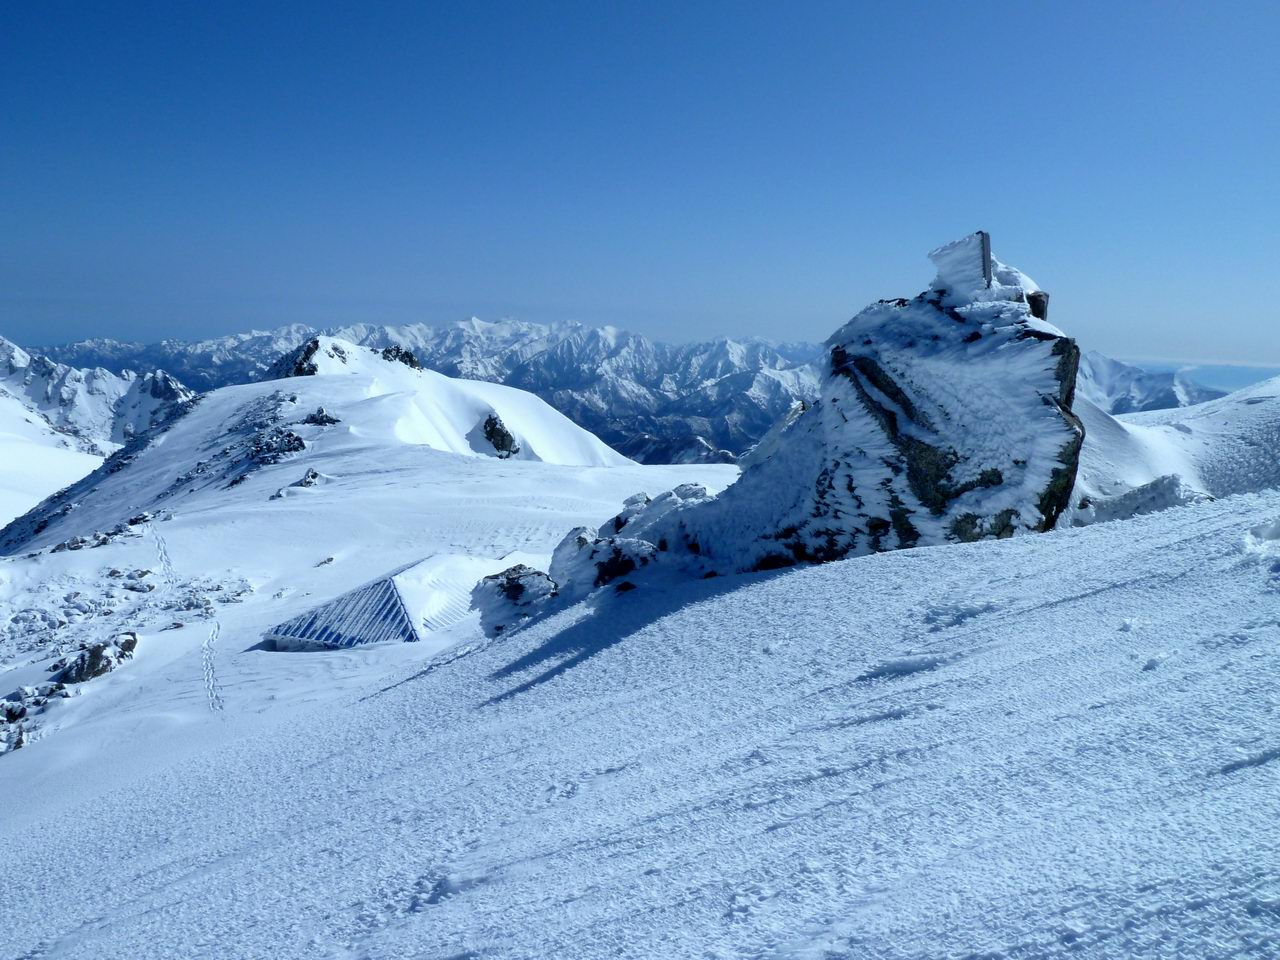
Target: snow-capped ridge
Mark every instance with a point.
(98, 408)
(345, 395)
(1116, 388)
(666, 402)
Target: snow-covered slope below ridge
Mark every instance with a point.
(1047, 747)
(381, 409)
(1116, 387)
(1149, 461)
(35, 459)
(99, 409)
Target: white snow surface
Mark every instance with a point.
(1051, 746)
(35, 459)
(1148, 461)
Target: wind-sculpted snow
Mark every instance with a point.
(944, 418)
(1049, 747)
(1149, 461)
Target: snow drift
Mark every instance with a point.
(1142, 462)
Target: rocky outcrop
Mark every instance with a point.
(499, 437)
(304, 361)
(509, 598)
(20, 710)
(95, 659)
(942, 418)
(320, 418)
(398, 354)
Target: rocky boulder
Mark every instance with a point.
(942, 418)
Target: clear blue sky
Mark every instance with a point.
(685, 169)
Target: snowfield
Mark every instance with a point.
(1056, 745)
(37, 459)
(1150, 461)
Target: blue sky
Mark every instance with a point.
(685, 170)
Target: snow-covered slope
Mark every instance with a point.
(1116, 387)
(1149, 461)
(356, 403)
(1048, 747)
(101, 409)
(35, 459)
(655, 401)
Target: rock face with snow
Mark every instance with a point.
(98, 408)
(655, 402)
(946, 417)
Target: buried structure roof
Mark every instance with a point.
(408, 604)
(374, 613)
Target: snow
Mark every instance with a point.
(696, 399)
(100, 409)
(35, 460)
(958, 751)
(1148, 461)
(1047, 746)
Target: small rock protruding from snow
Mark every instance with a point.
(320, 418)
(508, 598)
(500, 438)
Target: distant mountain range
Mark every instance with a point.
(1117, 387)
(656, 402)
(96, 409)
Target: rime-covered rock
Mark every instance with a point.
(510, 597)
(945, 417)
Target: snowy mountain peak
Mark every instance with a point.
(1117, 387)
(96, 407)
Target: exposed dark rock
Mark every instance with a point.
(1038, 301)
(320, 418)
(502, 440)
(300, 362)
(95, 659)
(401, 355)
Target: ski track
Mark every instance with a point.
(946, 752)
